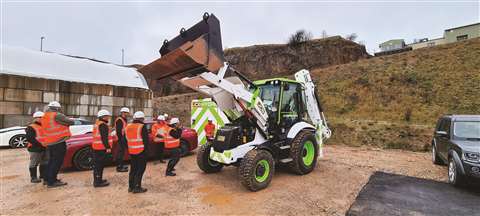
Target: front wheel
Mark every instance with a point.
(83, 159)
(18, 141)
(455, 177)
(256, 169)
(304, 153)
(205, 163)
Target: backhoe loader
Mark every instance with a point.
(272, 121)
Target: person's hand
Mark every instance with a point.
(109, 150)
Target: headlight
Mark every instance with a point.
(471, 156)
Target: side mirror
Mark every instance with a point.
(441, 133)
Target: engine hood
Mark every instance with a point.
(467, 145)
(4, 130)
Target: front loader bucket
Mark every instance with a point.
(195, 50)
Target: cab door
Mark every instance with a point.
(442, 136)
(290, 105)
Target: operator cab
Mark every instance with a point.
(284, 102)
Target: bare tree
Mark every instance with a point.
(351, 37)
(324, 34)
(299, 37)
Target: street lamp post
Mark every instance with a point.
(41, 43)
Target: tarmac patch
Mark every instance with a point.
(391, 194)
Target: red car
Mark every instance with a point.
(79, 152)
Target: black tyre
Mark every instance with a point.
(304, 153)
(204, 162)
(256, 169)
(83, 159)
(18, 141)
(435, 159)
(455, 177)
(184, 146)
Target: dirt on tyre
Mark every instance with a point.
(304, 153)
(83, 159)
(205, 163)
(256, 169)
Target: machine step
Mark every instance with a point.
(285, 147)
(286, 160)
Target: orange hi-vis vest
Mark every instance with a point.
(124, 125)
(39, 135)
(210, 129)
(133, 132)
(52, 130)
(97, 143)
(159, 129)
(170, 142)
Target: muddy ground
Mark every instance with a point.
(328, 190)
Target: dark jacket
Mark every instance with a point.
(118, 130)
(176, 133)
(31, 138)
(104, 132)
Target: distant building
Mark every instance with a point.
(392, 46)
(449, 36)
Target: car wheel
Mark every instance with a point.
(83, 159)
(435, 158)
(454, 176)
(18, 141)
(184, 147)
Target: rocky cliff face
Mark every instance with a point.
(277, 60)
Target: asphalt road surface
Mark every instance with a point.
(391, 194)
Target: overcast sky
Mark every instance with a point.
(100, 29)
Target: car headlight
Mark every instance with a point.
(471, 156)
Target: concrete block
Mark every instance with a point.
(16, 120)
(41, 84)
(93, 110)
(1, 120)
(78, 99)
(15, 81)
(1, 93)
(23, 95)
(64, 98)
(95, 100)
(104, 90)
(118, 101)
(107, 101)
(7, 107)
(120, 91)
(30, 108)
(51, 96)
(64, 86)
(130, 102)
(148, 112)
(77, 110)
(109, 108)
(80, 88)
(3, 80)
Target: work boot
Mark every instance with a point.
(33, 175)
(122, 169)
(130, 190)
(57, 184)
(139, 190)
(101, 184)
(171, 173)
(59, 181)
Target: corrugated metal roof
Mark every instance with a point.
(31, 63)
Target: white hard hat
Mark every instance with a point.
(54, 104)
(125, 109)
(103, 113)
(138, 115)
(166, 115)
(161, 118)
(38, 114)
(174, 121)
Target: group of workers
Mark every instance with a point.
(48, 132)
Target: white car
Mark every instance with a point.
(15, 136)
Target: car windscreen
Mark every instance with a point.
(466, 129)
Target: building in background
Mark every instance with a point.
(392, 46)
(30, 79)
(425, 42)
(462, 33)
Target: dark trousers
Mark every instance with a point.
(98, 165)
(174, 158)
(122, 147)
(160, 150)
(138, 163)
(57, 154)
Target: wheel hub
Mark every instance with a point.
(262, 170)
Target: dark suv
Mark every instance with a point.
(456, 142)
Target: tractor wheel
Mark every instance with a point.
(204, 162)
(304, 153)
(256, 169)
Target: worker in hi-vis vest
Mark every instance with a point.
(120, 125)
(138, 141)
(210, 130)
(101, 146)
(157, 129)
(35, 148)
(56, 129)
(171, 138)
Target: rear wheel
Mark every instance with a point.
(205, 163)
(18, 141)
(256, 169)
(304, 153)
(83, 159)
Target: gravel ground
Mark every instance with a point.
(328, 190)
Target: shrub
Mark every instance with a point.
(299, 37)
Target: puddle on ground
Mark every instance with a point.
(214, 196)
